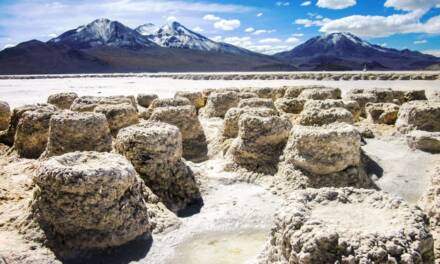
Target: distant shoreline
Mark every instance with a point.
(298, 75)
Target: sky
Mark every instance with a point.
(266, 26)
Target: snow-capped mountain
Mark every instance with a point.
(175, 35)
(147, 29)
(345, 51)
(103, 32)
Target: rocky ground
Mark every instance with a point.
(235, 217)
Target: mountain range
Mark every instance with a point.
(109, 46)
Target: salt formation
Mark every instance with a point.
(196, 98)
(155, 150)
(267, 92)
(335, 226)
(324, 112)
(256, 102)
(218, 103)
(362, 99)
(7, 137)
(323, 150)
(327, 156)
(320, 93)
(383, 95)
(260, 142)
(32, 132)
(89, 200)
(431, 206)
(230, 125)
(164, 102)
(145, 100)
(118, 115)
(382, 113)
(420, 115)
(186, 119)
(62, 100)
(75, 131)
(5, 115)
(289, 105)
(89, 103)
(423, 140)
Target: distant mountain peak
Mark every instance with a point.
(147, 29)
(103, 32)
(343, 50)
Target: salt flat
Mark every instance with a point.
(26, 91)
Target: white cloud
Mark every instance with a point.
(280, 3)
(259, 14)
(383, 26)
(298, 35)
(9, 46)
(210, 17)
(198, 29)
(227, 25)
(171, 18)
(270, 40)
(217, 38)
(293, 41)
(239, 41)
(263, 31)
(306, 3)
(52, 35)
(336, 4)
(383, 45)
(309, 23)
(432, 52)
(423, 41)
(249, 30)
(410, 5)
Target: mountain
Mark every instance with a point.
(106, 46)
(36, 57)
(345, 51)
(175, 35)
(103, 32)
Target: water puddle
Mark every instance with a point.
(222, 248)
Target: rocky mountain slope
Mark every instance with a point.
(344, 51)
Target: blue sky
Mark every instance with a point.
(262, 25)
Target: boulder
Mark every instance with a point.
(423, 140)
(32, 132)
(89, 200)
(218, 103)
(76, 131)
(319, 117)
(145, 100)
(289, 105)
(383, 95)
(5, 115)
(382, 113)
(118, 116)
(196, 98)
(155, 150)
(186, 119)
(419, 115)
(362, 99)
(260, 142)
(7, 137)
(89, 103)
(352, 106)
(320, 94)
(62, 100)
(332, 225)
(256, 102)
(415, 95)
(164, 102)
(272, 93)
(230, 125)
(323, 150)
